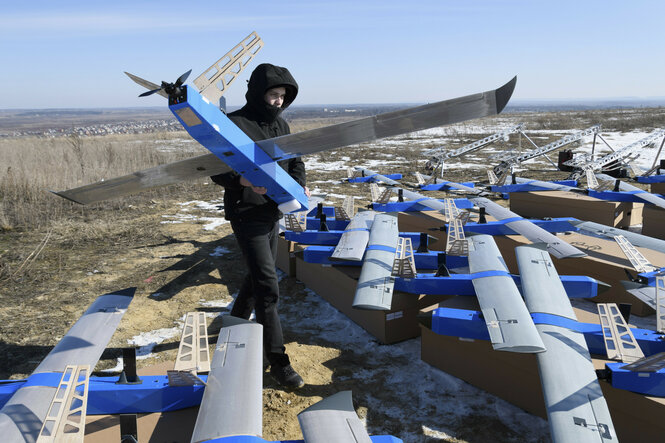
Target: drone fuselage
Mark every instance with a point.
(217, 133)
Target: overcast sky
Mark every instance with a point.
(73, 53)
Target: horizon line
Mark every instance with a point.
(540, 101)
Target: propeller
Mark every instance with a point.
(170, 88)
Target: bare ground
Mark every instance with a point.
(172, 267)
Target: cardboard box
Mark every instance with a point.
(428, 222)
(605, 261)
(569, 204)
(286, 260)
(515, 378)
(337, 285)
(174, 426)
(653, 222)
(658, 188)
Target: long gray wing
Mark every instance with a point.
(352, 244)
(645, 293)
(389, 124)
(535, 234)
(641, 194)
(430, 203)
(307, 142)
(21, 418)
(232, 402)
(548, 185)
(375, 284)
(576, 408)
(333, 420)
(508, 321)
(639, 240)
(169, 174)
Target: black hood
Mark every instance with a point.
(264, 77)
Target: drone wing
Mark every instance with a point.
(375, 284)
(351, 245)
(321, 139)
(637, 192)
(232, 402)
(21, 418)
(642, 241)
(171, 173)
(643, 292)
(576, 408)
(535, 234)
(508, 321)
(331, 420)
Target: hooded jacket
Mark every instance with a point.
(260, 121)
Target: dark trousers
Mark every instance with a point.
(260, 289)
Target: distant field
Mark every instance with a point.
(58, 122)
(109, 121)
(39, 120)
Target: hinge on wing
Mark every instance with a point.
(639, 262)
(193, 353)
(652, 363)
(378, 195)
(620, 344)
(491, 176)
(603, 429)
(345, 212)
(65, 419)
(456, 243)
(293, 223)
(404, 264)
(353, 173)
(591, 180)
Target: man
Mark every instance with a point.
(254, 217)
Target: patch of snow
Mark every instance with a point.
(216, 303)
(147, 341)
(314, 163)
(205, 205)
(213, 222)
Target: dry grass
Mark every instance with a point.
(32, 166)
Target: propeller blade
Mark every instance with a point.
(182, 78)
(145, 94)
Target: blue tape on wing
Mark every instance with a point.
(381, 248)
(49, 379)
(540, 318)
(484, 274)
